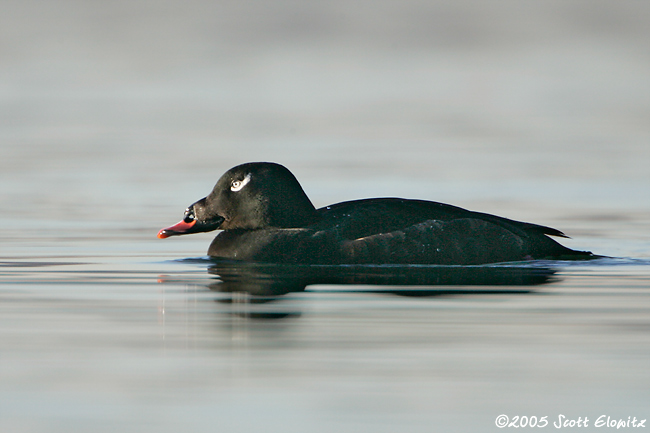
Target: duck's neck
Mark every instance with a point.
(292, 211)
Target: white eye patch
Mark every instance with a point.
(237, 185)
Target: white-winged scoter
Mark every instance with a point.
(266, 217)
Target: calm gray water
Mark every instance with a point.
(114, 116)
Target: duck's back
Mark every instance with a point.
(393, 230)
(396, 231)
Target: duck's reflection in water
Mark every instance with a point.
(260, 283)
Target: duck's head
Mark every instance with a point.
(250, 196)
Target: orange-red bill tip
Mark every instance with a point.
(179, 228)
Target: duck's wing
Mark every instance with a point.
(393, 230)
(360, 218)
(529, 228)
(461, 241)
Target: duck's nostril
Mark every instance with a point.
(189, 216)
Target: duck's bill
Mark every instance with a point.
(180, 228)
(194, 226)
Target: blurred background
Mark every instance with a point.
(135, 108)
(116, 115)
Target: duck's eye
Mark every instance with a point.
(237, 185)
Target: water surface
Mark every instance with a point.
(115, 117)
